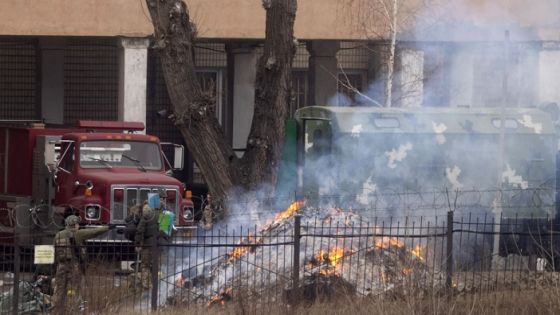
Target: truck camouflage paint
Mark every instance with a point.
(410, 161)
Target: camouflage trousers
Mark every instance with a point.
(67, 285)
(208, 215)
(143, 279)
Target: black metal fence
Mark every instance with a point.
(296, 256)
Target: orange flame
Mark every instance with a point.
(331, 257)
(221, 298)
(291, 210)
(236, 253)
(387, 242)
(242, 250)
(417, 252)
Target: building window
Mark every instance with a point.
(299, 91)
(436, 77)
(209, 79)
(349, 84)
(353, 60)
(18, 82)
(91, 80)
(213, 79)
(488, 78)
(210, 69)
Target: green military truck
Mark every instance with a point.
(425, 161)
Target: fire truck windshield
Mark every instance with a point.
(120, 153)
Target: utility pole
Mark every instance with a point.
(500, 167)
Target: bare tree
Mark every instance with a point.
(386, 20)
(174, 37)
(393, 22)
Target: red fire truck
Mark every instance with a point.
(97, 170)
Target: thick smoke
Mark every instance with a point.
(450, 54)
(457, 53)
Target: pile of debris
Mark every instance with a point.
(341, 253)
(33, 296)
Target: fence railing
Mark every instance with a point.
(292, 259)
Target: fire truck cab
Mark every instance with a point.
(97, 170)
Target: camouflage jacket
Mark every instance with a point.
(148, 228)
(68, 243)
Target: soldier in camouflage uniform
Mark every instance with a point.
(212, 211)
(70, 259)
(146, 238)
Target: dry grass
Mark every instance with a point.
(105, 297)
(541, 301)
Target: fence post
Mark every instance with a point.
(155, 273)
(295, 263)
(17, 267)
(449, 250)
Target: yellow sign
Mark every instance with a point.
(44, 254)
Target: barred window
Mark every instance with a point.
(18, 79)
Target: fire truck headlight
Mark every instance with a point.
(93, 212)
(188, 213)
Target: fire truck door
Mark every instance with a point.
(65, 174)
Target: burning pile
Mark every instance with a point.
(346, 255)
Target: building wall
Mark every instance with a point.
(73, 18)
(245, 19)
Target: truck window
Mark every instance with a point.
(120, 153)
(317, 142)
(67, 152)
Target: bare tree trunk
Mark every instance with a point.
(194, 109)
(272, 95)
(391, 57)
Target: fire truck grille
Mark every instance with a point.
(125, 197)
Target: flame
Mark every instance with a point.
(180, 281)
(251, 239)
(290, 211)
(328, 261)
(387, 242)
(242, 250)
(417, 252)
(407, 271)
(220, 298)
(236, 253)
(332, 257)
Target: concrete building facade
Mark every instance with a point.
(63, 60)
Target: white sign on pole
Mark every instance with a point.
(44, 254)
